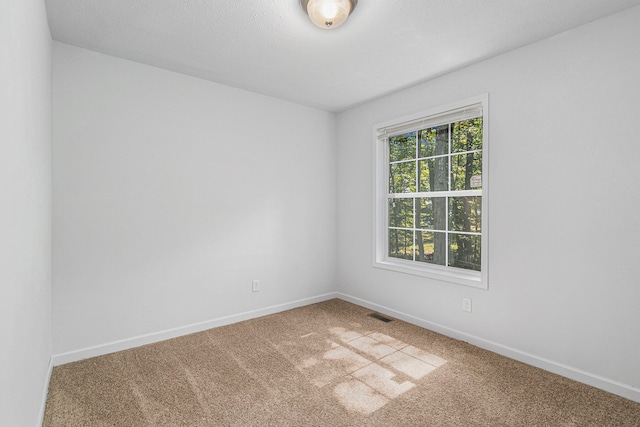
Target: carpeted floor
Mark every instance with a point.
(327, 364)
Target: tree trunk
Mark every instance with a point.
(416, 224)
(440, 182)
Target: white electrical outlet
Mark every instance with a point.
(255, 286)
(466, 304)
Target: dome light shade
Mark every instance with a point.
(328, 14)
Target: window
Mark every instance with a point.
(431, 184)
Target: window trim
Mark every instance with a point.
(381, 183)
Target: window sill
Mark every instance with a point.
(452, 275)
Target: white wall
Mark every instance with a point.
(25, 210)
(564, 210)
(172, 193)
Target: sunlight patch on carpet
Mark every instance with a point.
(366, 367)
(357, 397)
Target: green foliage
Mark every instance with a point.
(402, 177)
(465, 214)
(402, 147)
(466, 135)
(401, 244)
(463, 168)
(464, 251)
(401, 213)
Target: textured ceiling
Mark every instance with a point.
(271, 47)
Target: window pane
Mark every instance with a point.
(433, 174)
(466, 135)
(401, 244)
(402, 177)
(465, 214)
(466, 171)
(427, 142)
(434, 141)
(424, 173)
(464, 251)
(431, 212)
(401, 213)
(430, 247)
(402, 147)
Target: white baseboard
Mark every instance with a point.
(45, 391)
(125, 344)
(597, 381)
(593, 380)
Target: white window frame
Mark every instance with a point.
(476, 279)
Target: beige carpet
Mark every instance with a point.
(327, 364)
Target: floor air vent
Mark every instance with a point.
(380, 317)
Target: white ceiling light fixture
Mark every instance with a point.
(328, 14)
